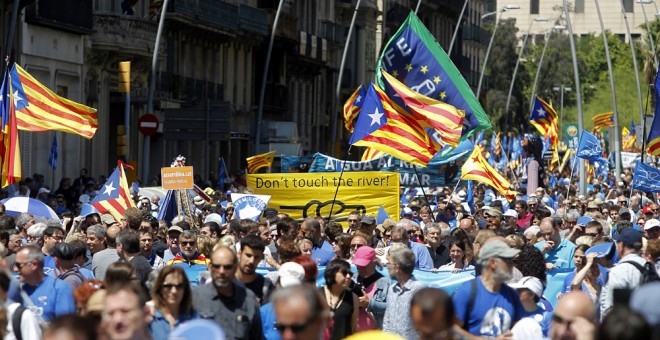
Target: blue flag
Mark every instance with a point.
(589, 148)
(470, 196)
(52, 159)
(646, 178)
(168, 207)
(222, 171)
(382, 215)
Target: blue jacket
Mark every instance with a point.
(160, 327)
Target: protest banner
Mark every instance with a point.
(310, 194)
(249, 206)
(628, 159)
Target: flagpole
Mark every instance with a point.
(419, 2)
(458, 25)
(570, 178)
(341, 174)
(341, 73)
(420, 180)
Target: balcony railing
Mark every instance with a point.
(253, 20)
(129, 32)
(332, 32)
(215, 13)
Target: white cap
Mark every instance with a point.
(214, 218)
(529, 282)
(43, 190)
(652, 223)
(511, 213)
(290, 274)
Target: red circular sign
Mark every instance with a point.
(148, 124)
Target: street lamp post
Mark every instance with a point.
(561, 89)
(458, 24)
(615, 110)
(538, 68)
(578, 95)
(648, 29)
(515, 69)
(490, 44)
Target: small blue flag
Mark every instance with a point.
(382, 215)
(470, 196)
(589, 148)
(222, 171)
(52, 159)
(646, 178)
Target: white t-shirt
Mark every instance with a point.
(30, 328)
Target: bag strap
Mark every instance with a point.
(16, 320)
(636, 265)
(470, 305)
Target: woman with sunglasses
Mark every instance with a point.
(342, 301)
(172, 298)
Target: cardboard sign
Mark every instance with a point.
(177, 178)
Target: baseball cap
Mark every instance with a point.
(389, 223)
(511, 213)
(43, 190)
(108, 219)
(64, 251)
(368, 219)
(174, 228)
(647, 210)
(652, 223)
(497, 248)
(630, 237)
(363, 256)
(269, 212)
(583, 220)
(407, 211)
(601, 250)
(213, 218)
(592, 205)
(493, 212)
(624, 211)
(529, 282)
(291, 274)
(198, 200)
(209, 191)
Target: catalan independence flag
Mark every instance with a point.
(429, 112)
(10, 150)
(544, 119)
(114, 197)
(603, 120)
(352, 108)
(414, 57)
(371, 153)
(40, 109)
(257, 162)
(477, 168)
(381, 127)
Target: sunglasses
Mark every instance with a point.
(170, 285)
(217, 266)
(295, 328)
(188, 243)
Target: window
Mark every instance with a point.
(579, 6)
(534, 7)
(628, 5)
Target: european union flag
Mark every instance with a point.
(589, 148)
(646, 178)
(52, 159)
(414, 57)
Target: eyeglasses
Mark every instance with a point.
(170, 285)
(387, 235)
(353, 221)
(295, 328)
(188, 243)
(356, 246)
(217, 266)
(58, 238)
(531, 205)
(20, 265)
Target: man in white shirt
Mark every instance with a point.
(29, 328)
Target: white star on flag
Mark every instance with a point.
(375, 117)
(358, 98)
(541, 112)
(16, 98)
(109, 189)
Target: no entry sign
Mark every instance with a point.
(148, 124)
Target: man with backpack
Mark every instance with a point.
(631, 271)
(21, 323)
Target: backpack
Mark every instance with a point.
(649, 274)
(16, 320)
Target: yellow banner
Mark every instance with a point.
(310, 194)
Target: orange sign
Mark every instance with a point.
(177, 178)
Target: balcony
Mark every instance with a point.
(476, 34)
(287, 27)
(253, 20)
(127, 33)
(332, 32)
(208, 15)
(73, 16)
(276, 98)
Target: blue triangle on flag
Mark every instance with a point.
(382, 215)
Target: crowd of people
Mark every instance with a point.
(95, 277)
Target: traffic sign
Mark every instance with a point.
(148, 124)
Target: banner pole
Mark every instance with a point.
(419, 179)
(341, 174)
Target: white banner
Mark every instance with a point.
(628, 159)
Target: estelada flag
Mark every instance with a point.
(477, 168)
(257, 162)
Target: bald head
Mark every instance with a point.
(111, 235)
(571, 306)
(467, 225)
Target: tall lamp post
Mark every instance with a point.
(515, 69)
(561, 89)
(648, 29)
(578, 94)
(538, 68)
(458, 25)
(490, 44)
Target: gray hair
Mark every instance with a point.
(34, 253)
(404, 258)
(572, 215)
(54, 223)
(98, 230)
(37, 230)
(187, 234)
(406, 223)
(21, 219)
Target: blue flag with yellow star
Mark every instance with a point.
(417, 60)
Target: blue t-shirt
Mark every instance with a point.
(561, 256)
(52, 298)
(544, 318)
(492, 314)
(268, 320)
(322, 256)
